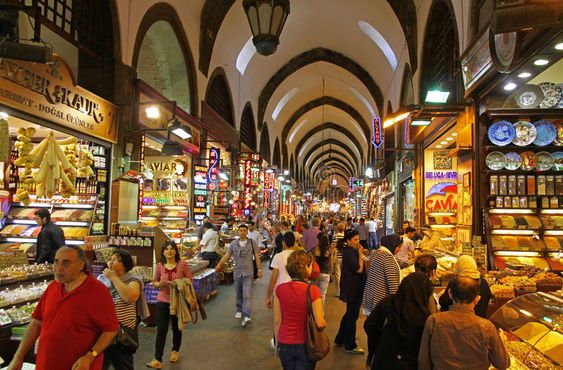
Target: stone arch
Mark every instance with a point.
(333, 142)
(218, 95)
(212, 15)
(265, 144)
(440, 58)
(331, 161)
(407, 88)
(291, 166)
(335, 169)
(174, 74)
(324, 100)
(330, 126)
(276, 159)
(247, 127)
(332, 153)
(405, 10)
(310, 57)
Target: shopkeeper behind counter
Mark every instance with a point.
(49, 239)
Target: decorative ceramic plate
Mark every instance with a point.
(552, 94)
(560, 104)
(557, 161)
(546, 132)
(529, 96)
(529, 160)
(495, 161)
(559, 139)
(513, 161)
(525, 133)
(545, 161)
(501, 133)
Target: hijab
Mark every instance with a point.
(409, 309)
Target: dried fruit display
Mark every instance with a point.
(26, 154)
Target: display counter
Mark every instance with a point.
(532, 324)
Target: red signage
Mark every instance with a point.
(377, 138)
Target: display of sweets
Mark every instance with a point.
(144, 272)
(22, 293)
(24, 272)
(23, 313)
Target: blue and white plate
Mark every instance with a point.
(546, 132)
(513, 161)
(501, 133)
(525, 133)
(557, 161)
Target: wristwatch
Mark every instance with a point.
(94, 353)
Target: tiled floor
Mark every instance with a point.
(221, 342)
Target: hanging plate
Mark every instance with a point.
(552, 95)
(495, 161)
(529, 160)
(545, 161)
(513, 161)
(546, 132)
(501, 133)
(557, 161)
(525, 133)
(529, 96)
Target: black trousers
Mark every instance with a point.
(119, 356)
(163, 318)
(347, 331)
(212, 257)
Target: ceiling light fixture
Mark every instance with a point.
(152, 112)
(439, 146)
(444, 142)
(266, 19)
(421, 122)
(541, 62)
(510, 86)
(180, 130)
(437, 96)
(559, 46)
(524, 75)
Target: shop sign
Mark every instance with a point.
(49, 91)
(355, 184)
(440, 175)
(166, 167)
(377, 138)
(442, 160)
(213, 169)
(200, 193)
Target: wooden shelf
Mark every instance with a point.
(506, 112)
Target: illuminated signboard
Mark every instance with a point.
(200, 193)
(213, 170)
(377, 138)
(355, 184)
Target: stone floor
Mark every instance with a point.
(221, 343)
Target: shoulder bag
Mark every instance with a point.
(318, 343)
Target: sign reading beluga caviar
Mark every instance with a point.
(49, 91)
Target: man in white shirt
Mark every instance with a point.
(405, 254)
(372, 229)
(208, 245)
(255, 235)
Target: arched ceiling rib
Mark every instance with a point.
(321, 140)
(212, 16)
(312, 56)
(326, 167)
(328, 143)
(329, 153)
(335, 169)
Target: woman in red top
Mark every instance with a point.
(170, 268)
(290, 313)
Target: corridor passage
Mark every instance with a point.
(221, 343)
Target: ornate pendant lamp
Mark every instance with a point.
(266, 19)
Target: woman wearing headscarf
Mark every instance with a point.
(466, 266)
(352, 285)
(384, 273)
(404, 316)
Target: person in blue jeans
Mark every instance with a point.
(242, 250)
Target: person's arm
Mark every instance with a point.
(257, 259)
(497, 352)
(392, 274)
(104, 340)
(445, 301)
(156, 279)
(318, 313)
(44, 252)
(424, 355)
(223, 260)
(277, 318)
(28, 341)
(271, 285)
(128, 292)
(360, 260)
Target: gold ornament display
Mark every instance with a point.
(25, 159)
(53, 165)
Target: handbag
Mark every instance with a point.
(127, 337)
(316, 270)
(255, 269)
(318, 343)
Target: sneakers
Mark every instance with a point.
(246, 321)
(355, 351)
(155, 364)
(174, 356)
(238, 315)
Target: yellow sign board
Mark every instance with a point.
(49, 91)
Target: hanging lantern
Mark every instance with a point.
(266, 19)
(334, 182)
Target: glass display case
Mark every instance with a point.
(533, 325)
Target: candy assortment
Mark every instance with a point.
(22, 314)
(24, 272)
(22, 294)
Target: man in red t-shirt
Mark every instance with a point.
(75, 319)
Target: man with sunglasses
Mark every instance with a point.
(73, 331)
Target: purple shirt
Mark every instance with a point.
(310, 238)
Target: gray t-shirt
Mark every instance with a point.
(242, 253)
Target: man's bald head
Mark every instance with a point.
(464, 289)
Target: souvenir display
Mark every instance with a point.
(546, 132)
(525, 133)
(529, 160)
(529, 96)
(513, 161)
(496, 160)
(545, 161)
(560, 104)
(501, 133)
(559, 125)
(557, 161)
(552, 95)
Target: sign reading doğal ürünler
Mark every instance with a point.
(49, 91)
